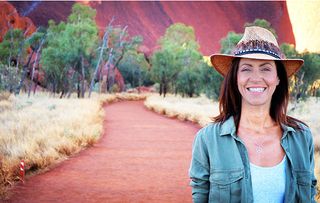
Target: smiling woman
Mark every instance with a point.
(257, 80)
(254, 152)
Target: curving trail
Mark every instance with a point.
(142, 157)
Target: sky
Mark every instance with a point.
(305, 20)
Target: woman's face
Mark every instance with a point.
(257, 81)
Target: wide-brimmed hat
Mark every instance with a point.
(256, 43)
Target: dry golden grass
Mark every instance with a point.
(109, 98)
(201, 109)
(198, 110)
(44, 130)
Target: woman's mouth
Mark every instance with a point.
(256, 89)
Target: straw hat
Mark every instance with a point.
(256, 43)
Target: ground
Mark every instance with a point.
(141, 157)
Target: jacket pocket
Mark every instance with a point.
(225, 186)
(303, 181)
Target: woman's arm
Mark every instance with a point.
(199, 170)
(313, 178)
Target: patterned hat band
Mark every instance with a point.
(258, 47)
(257, 51)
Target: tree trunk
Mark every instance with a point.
(108, 68)
(83, 77)
(78, 88)
(24, 73)
(105, 41)
(62, 93)
(160, 88)
(298, 91)
(35, 88)
(35, 63)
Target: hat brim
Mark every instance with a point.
(222, 62)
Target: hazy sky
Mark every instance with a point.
(305, 20)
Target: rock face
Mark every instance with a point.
(211, 20)
(10, 18)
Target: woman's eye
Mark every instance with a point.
(266, 69)
(245, 69)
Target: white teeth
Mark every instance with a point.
(256, 89)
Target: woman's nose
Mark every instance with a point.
(255, 76)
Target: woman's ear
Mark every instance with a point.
(278, 81)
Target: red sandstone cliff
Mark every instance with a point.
(211, 20)
(9, 17)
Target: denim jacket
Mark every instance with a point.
(220, 167)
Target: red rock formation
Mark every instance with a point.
(9, 17)
(211, 20)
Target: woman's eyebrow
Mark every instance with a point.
(267, 63)
(246, 64)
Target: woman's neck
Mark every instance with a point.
(256, 118)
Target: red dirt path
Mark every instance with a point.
(142, 157)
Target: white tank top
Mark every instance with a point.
(268, 183)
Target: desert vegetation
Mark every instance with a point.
(44, 130)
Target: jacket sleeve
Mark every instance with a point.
(199, 170)
(313, 178)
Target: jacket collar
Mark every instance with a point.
(228, 128)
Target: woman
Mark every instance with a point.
(253, 151)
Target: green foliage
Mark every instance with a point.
(134, 69)
(179, 36)
(302, 83)
(12, 48)
(9, 78)
(188, 79)
(70, 48)
(211, 81)
(289, 50)
(176, 65)
(163, 70)
(53, 59)
(229, 42)
(309, 73)
(82, 14)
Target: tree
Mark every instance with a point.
(303, 83)
(309, 73)
(53, 59)
(82, 33)
(104, 45)
(134, 69)
(34, 42)
(70, 49)
(12, 52)
(178, 53)
(11, 47)
(162, 70)
(229, 42)
(210, 81)
(188, 79)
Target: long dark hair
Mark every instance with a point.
(230, 98)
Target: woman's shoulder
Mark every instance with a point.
(211, 130)
(301, 126)
(302, 130)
